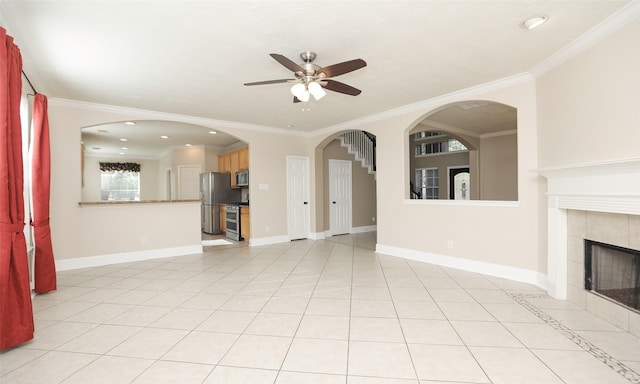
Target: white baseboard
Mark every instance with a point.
(511, 273)
(363, 229)
(253, 242)
(317, 235)
(117, 258)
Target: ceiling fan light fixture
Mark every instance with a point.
(316, 90)
(300, 91)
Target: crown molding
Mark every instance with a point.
(619, 19)
(426, 105)
(155, 115)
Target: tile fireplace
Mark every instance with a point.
(613, 272)
(597, 202)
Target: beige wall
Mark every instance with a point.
(499, 168)
(363, 190)
(588, 107)
(583, 111)
(80, 231)
(503, 234)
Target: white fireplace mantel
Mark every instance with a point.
(612, 187)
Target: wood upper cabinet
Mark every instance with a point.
(245, 227)
(243, 158)
(224, 163)
(233, 162)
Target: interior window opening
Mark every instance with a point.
(472, 148)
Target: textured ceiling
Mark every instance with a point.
(192, 58)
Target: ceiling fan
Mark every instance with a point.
(312, 80)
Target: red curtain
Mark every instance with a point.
(16, 315)
(45, 267)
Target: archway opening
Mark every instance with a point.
(465, 151)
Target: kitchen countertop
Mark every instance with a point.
(129, 202)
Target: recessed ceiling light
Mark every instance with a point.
(164, 137)
(534, 22)
(124, 140)
(130, 122)
(121, 153)
(187, 145)
(213, 132)
(124, 148)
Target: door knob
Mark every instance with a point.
(334, 202)
(306, 202)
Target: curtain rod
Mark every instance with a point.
(29, 81)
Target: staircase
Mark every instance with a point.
(363, 146)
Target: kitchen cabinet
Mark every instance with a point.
(243, 158)
(224, 163)
(245, 227)
(223, 218)
(233, 162)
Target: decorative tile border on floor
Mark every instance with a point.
(598, 353)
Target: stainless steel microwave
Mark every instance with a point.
(242, 178)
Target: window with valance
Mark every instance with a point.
(120, 181)
(123, 167)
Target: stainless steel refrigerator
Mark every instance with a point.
(215, 189)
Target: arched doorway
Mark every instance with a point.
(346, 183)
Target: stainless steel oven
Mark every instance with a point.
(233, 221)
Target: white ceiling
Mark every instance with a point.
(192, 58)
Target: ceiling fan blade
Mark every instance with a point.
(287, 63)
(341, 68)
(270, 82)
(337, 86)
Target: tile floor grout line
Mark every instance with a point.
(406, 344)
(610, 361)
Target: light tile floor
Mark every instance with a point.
(329, 311)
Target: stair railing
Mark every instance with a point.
(363, 145)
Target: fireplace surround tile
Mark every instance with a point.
(609, 228)
(608, 310)
(634, 323)
(576, 223)
(575, 248)
(616, 229)
(634, 231)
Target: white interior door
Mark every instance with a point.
(340, 196)
(298, 197)
(189, 182)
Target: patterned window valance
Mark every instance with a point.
(125, 167)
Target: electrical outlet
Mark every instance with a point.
(373, 219)
(450, 244)
(266, 228)
(144, 240)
